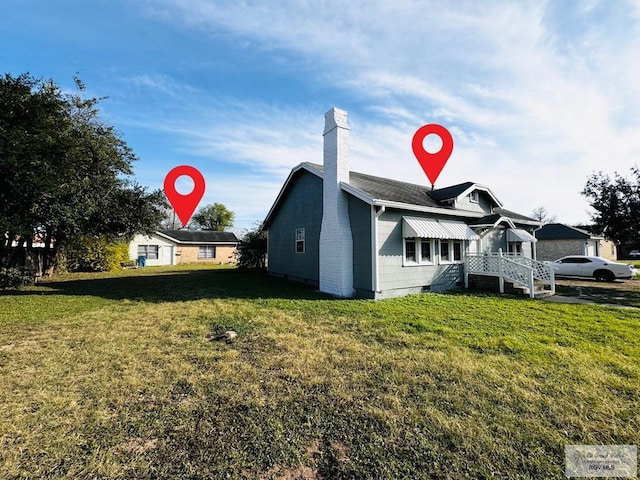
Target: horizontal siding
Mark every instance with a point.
(360, 219)
(301, 207)
(392, 274)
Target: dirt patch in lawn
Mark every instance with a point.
(620, 292)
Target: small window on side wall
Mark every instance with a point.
(207, 251)
(299, 240)
(474, 197)
(149, 251)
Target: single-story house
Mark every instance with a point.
(555, 240)
(352, 234)
(171, 247)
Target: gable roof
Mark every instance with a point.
(450, 193)
(378, 188)
(560, 231)
(386, 189)
(455, 192)
(394, 193)
(199, 237)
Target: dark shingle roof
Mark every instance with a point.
(559, 231)
(385, 189)
(451, 192)
(500, 213)
(200, 236)
(513, 215)
(487, 219)
(389, 190)
(392, 190)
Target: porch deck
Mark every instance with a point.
(519, 270)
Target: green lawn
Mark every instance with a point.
(123, 376)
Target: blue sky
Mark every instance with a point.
(537, 95)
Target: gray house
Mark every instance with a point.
(555, 240)
(353, 234)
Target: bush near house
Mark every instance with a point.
(132, 375)
(96, 254)
(13, 278)
(252, 250)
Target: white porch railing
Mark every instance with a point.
(513, 267)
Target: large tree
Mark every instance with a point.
(63, 172)
(213, 217)
(616, 202)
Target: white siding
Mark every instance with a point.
(166, 249)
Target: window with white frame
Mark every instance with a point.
(514, 247)
(457, 250)
(474, 197)
(426, 251)
(299, 240)
(207, 251)
(429, 251)
(445, 252)
(418, 251)
(410, 250)
(149, 251)
(451, 251)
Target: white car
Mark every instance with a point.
(596, 267)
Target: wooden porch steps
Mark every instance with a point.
(538, 291)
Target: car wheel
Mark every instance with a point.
(604, 276)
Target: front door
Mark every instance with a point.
(167, 255)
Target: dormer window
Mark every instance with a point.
(474, 197)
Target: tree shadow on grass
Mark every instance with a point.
(179, 286)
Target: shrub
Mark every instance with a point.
(252, 250)
(96, 254)
(12, 278)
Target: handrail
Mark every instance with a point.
(513, 267)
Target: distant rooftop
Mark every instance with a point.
(199, 236)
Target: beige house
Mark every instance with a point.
(171, 247)
(556, 240)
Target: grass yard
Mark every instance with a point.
(125, 376)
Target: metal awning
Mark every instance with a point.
(519, 235)
(432, 228)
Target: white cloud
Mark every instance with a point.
(537, 94)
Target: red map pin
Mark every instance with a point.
(184, 205)
(432, 163)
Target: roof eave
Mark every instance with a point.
(190, 242)
(422, 208)
(347, 187)
(168, 237)
(482, 188)
(405, 206)
(533, 223)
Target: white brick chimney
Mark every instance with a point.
(336, 243)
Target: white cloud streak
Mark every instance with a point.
(537, 95)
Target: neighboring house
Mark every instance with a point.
(30, 257)
(556, 240)
(171, 247)
(353, 234)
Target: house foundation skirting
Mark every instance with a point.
(490, 283)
